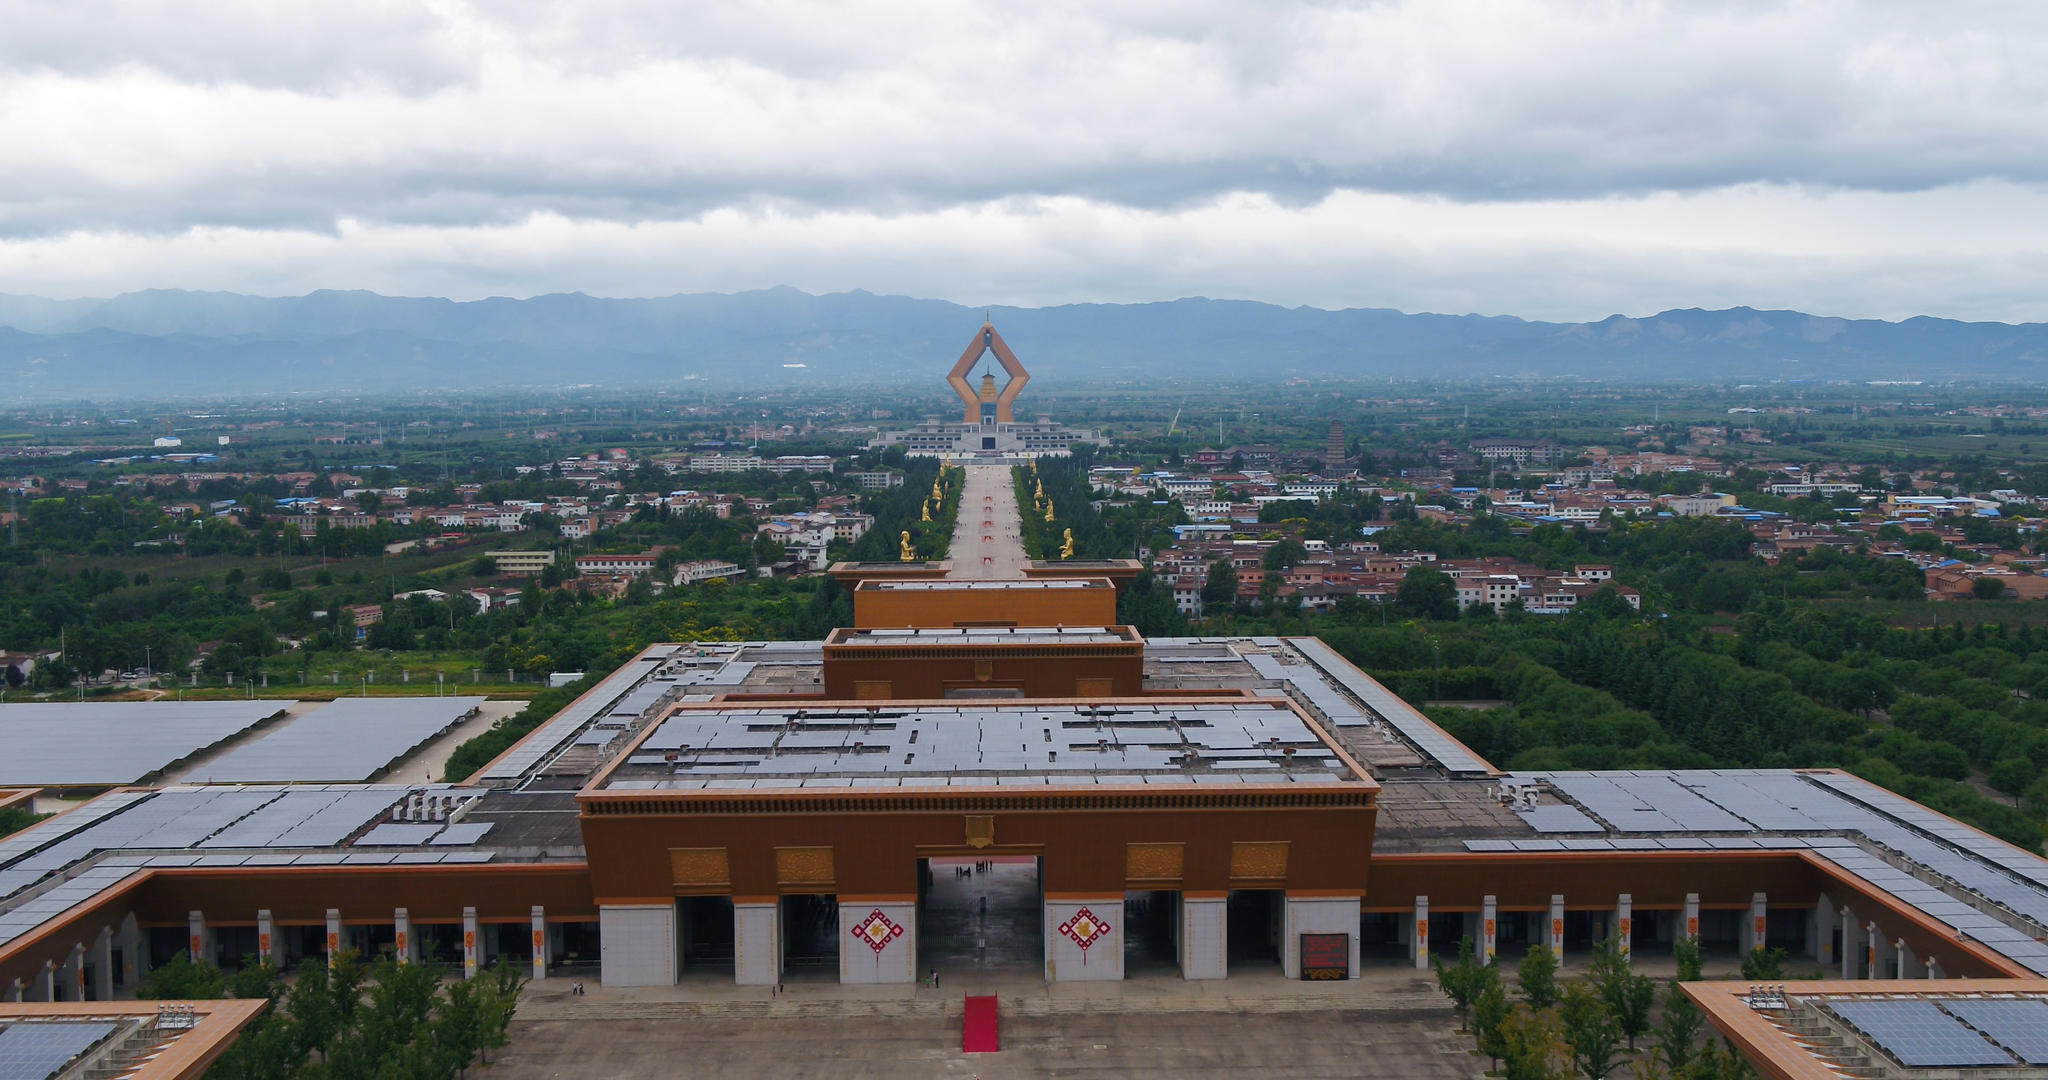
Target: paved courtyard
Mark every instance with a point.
(1419, 1046)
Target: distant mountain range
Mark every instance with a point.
(169, 342)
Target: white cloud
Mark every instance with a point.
(1553, 160)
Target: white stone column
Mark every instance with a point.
(1091, 948)
(266, 936)
(14, 988)
(403, 947)
(1875, 935)
(540, 942)
(46, 981)
(103, 965)
(1850, 947)
(134, 960)
(1204, 937)
(757, 943)
(333, 936)
(1933, 968)
(1320, 915)
(1822, 925)
(73, 973)
(1489, 927)
(1419, 940)
(1553, 931)
(1759, 921)
(1691, 926)
(195, 935)
(1625, 927)
(877, 941)
(638, 944)
(1904, 953)
(470, 945)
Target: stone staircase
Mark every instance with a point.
(1816, 1035)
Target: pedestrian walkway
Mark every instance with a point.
(988, 541)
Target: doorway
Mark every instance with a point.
(1151, 933)
(977, 915)
(1254, 919)
(810, 937)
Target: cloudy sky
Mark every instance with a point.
(1562, 160)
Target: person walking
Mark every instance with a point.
(935, 978)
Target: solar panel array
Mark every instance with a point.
(115, 742)
(1917, 1033)
(36, 1050)
(558, 732)
(346, 739)
(1448, 753)
(993, 744)
(1830, 814)
(2018, 1024)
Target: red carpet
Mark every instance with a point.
(978, 1035)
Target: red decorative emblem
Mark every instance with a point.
(1084, 929)
(876, 931)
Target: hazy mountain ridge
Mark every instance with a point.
(176, 342)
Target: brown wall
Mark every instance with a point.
(876, 853)
(1038, 677)
(985, 607)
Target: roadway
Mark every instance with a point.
(988, 542)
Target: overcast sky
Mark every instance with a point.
(1561, 161)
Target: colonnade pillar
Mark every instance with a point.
(333, 936)
(1850, 947)
(1489, 927)
(469, 943)
(1624, 927)
(1904, 953)
(266, 937)
(402, 944)
(73, 973)
(1204, 937)
(1822, 926)
(195, 935)
(540, 942)
(103, 964)
(1553, 931)
(1757, 933)
(757, 942)
(1418, 942)
(134, 962)
(1691, 928)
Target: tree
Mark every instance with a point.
(1764, 965)
(183, 979)
(1988, 588)
(1629, 996)
(1537, 976)
(1530, 1048)
(1589, 1028)
(1462, 981)
(1285, 554)
(369, 501)
(1220, 590)
(1489, 1010)
(1678, 1030)
(2012, 775)
(1428, 593)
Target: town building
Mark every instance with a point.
(521, 563)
